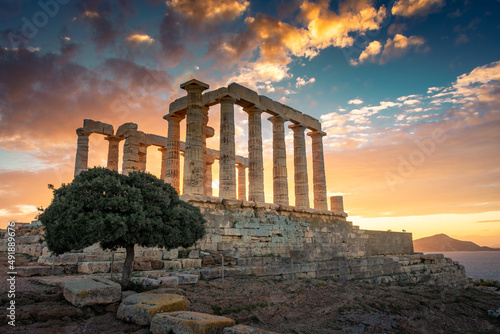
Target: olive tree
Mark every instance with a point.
(117, 210)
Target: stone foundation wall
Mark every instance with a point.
(248, 229)
(386, 242)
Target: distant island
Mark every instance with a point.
(443, 243)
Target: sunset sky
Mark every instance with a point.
(408, 92)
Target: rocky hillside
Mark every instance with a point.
(443, 243)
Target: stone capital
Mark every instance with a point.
(209, 159)
(297, 127)
(316, 134)
(277, 119)
(253, 109)
(227, 99)
(162, 149)
(194, 84)
(81, 132)
(113, 138)
(174, 117)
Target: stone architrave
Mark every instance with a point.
(113, 152)
(227, 159)
(143, 155)
(242, 182)
(209, 161)
(131, 150)
(163, 151)
(255, 158)
(280, 175)
(82, 150)
(319, 179)
(194, 161)
(172, 168)
(300, 166)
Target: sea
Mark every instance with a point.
(478, 265)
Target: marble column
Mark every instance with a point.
(82, 150)
(256, 164)
(337, 203)
(319, 179)
(194, 161)
(173, 158)
(130, 151)
(113, 152)
(227, 157)
(242, 182)
(209, 161)
(280, 175)
(143, 155)
(300, 166)
(163, 151)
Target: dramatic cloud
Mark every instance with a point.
(209, 10)
(328, 28)
(273, 41)
(416, 7)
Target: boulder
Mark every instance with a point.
(189, 322)
(89, 291)
(141, 307)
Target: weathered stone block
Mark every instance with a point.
(171, 254)
(187, 278)
(189, 322)
(169, 280)
(89, 291)
(63, 259)
(175, 265)
(141, 307)
(190, 263)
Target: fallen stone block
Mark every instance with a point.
(89, 291)
(141, 307)
(169, 280)
(243, 329)
(187, 278)
(189, 322)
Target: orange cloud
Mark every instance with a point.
(135, 39)
(210, 10)
(327, 28)
(416, 7)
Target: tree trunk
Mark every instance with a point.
(128, 266)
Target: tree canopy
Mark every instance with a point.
(117, 210)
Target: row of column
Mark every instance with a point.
(194, 154)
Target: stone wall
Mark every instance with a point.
(386, 242)
(249, 229)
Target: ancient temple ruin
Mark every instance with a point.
(198, 159)
(262, 239)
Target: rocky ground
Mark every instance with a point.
(302, 306)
